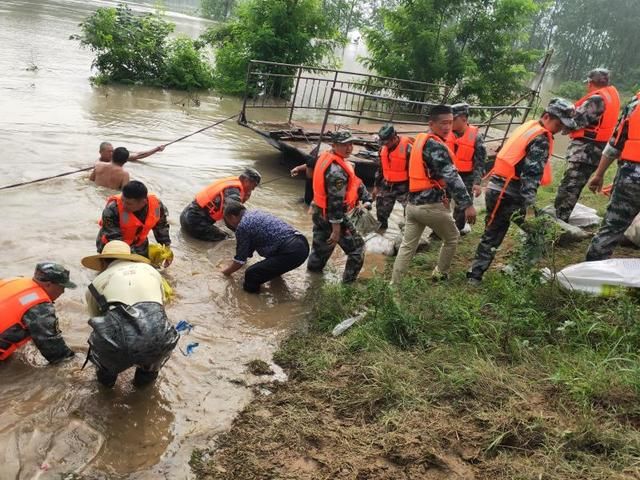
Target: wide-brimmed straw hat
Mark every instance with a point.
(116, 249)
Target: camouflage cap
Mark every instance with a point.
(54, 273)
(386, 132)
(341, 136)
(252, 174)
(460, 109)
(599, 76)
(564, 110)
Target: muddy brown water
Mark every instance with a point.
(55, 419)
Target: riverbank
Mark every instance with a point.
(514, 379)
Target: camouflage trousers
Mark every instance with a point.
(622, 209)
(197, 223)
(582, 160)
(351, 243)
(458, 213)
(495, 232)
(389, 194)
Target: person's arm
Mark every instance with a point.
(111, 223)
(125, 179)
(532, 168)
(295, 171)
(161, 230)
(363, 194)
(244, 250)
(336, 180)
(92, 305)
(92, 177)
(379, 177)
(42, 323)
(140, 155)
(232, 193)
(479, 160)
(589, 113)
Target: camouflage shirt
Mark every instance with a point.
(111, 226)
(479, 158)
(42, 327)
(439, 164)
(614, 148)
(529, 169)
(589, 113)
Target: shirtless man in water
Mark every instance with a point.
(109, 172)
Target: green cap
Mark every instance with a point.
(386, 132)
(54, 273)
(564, 110)
(460, 109)
(341, 136)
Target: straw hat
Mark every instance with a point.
(116, 249)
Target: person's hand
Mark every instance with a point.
(470, 215)
(367, 205)
(295, 171)
(476, 190)
(595, 184)
(335, 234)
(446, 202)
(375, 192)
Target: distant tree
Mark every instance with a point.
(479, 43)
(287, 31)
(217, 9)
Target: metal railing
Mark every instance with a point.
(272, 85)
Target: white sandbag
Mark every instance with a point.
(583, 216)
(571, 233)
(376, 243)
(363, 221)
(633, 232)
(604, 277)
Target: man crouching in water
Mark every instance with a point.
(130, 325)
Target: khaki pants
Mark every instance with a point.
(437, 217)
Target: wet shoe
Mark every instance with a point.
(438, 276)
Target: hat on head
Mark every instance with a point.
(460, 109)
(386, 132)
(564, 110)
(252, 174)
(599, 76)
(116, 249)
(54, 273)
(341, 136)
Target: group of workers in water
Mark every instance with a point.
(424, 174)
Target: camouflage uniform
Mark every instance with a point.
(350, 241)
(197, 222)
(519, 195)
(389, 193)
(111, 228)
(624, 204)
(583, 156)
(471, 178)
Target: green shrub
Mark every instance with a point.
(570, 90)
(185, 68)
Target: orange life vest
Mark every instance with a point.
(207, 196)
(319, 188)
(604, 130)
(419, 178)
(631, 149)
(134, 232)
(394, 164)
(17, 295)
(463, 147)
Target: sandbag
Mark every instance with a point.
(363, 221)
(633, 232)
(571, 233)
(376, 243)
(583, 216)
(604, 277)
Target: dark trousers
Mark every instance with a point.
(291, 254)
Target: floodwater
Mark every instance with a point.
(55, 419)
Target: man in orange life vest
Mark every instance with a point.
(199, 218)
(431, 175)
(624, 205)
(27, 312)
(392, 177)
(131, 216)
(336, 190)
(596, 116)
(468, 145)
(521, 165)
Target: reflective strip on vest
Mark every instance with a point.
(419, 178)
(631, 149)
(607, 124)
(207, 196)
(394, 164)
(319, 188)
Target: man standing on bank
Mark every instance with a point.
(470, 156)
(27, 312)
(521, 166)
(131, 216)
(431, 175)
(130, 325)
(283, 247)
(335, 192)
(596, 117)
(199, 218)
(392, 177)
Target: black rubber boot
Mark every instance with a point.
(106, 378)
(142, 377)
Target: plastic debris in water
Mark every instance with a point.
(183, 326)
(345, 324)
(191, 347)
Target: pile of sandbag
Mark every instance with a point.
(604, 277)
